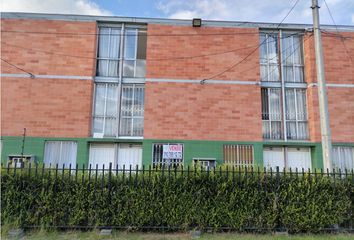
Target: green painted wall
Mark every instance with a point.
(192, 148)
(201, 149)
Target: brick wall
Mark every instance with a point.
(171, 42)
(195, 111)
(47, 107)
(339, 70)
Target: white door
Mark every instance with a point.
(273, 158)
(299, 158)
(102, 154)
(129, 155)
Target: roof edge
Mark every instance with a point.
(214, 23)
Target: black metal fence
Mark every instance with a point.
(106, 183)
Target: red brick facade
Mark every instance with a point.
(60, 107)
(47, 107)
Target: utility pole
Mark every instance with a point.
(322, 91)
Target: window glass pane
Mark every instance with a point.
(127, 100)
(139, 101)
(288, 74)
(102, 154)
(265, 104)
(142, 44)
(266, 129)
(301, 104)
(98, 124)
(114, 43)
(299, 74)
(264, 73)
(287, 50)
(100, 99)
(275, 105)
(110, 127)
(273, 75)
(112, 69)
(140, 68)
(138, 126)
(291, 129)
(272, 48)
(103, 43)
(60, 152)
(276, 132)
(263, 48)
(343, 157)
(128, 68)
(125, 126)
(297, 50)
(302, 130)
(112, 98)
(290, 111)
(102, 68)
(130, 44)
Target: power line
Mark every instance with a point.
(128, 34)
(344, 45)
(153, 59)
(21, 69)
(253, 51)
(281, 53)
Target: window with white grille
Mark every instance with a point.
(238, 155)
(283, 92)
(118, 108)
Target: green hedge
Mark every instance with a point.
(238, 201)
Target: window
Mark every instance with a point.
(287, 157)
(119, 84)
(134, 53)
(167, 154)
(105, 110)
(132, 110)
(343, 157)
(271, 113)
(283, 81)
(123, 155)
(206, 163)
(60, 152)
(238, 155)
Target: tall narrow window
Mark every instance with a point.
(280, 116)
(134, 53)
(271, 113)
(60, 152)
(105, 110)
(118, 108)
(132, 110)
(292, 58)
(269, 59)
(108, 52)
(296, 114)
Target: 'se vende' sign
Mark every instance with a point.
(172, 151)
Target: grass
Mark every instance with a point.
(91, 235)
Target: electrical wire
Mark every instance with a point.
(253, 51)
(342, 40)
(152, 59)
(17, 67)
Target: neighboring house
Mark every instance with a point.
(132, 91)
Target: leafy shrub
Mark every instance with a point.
(174, 199)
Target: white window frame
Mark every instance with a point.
(284, 86)
(46, 161)
(120, 80)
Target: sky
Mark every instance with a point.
(232, 10)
